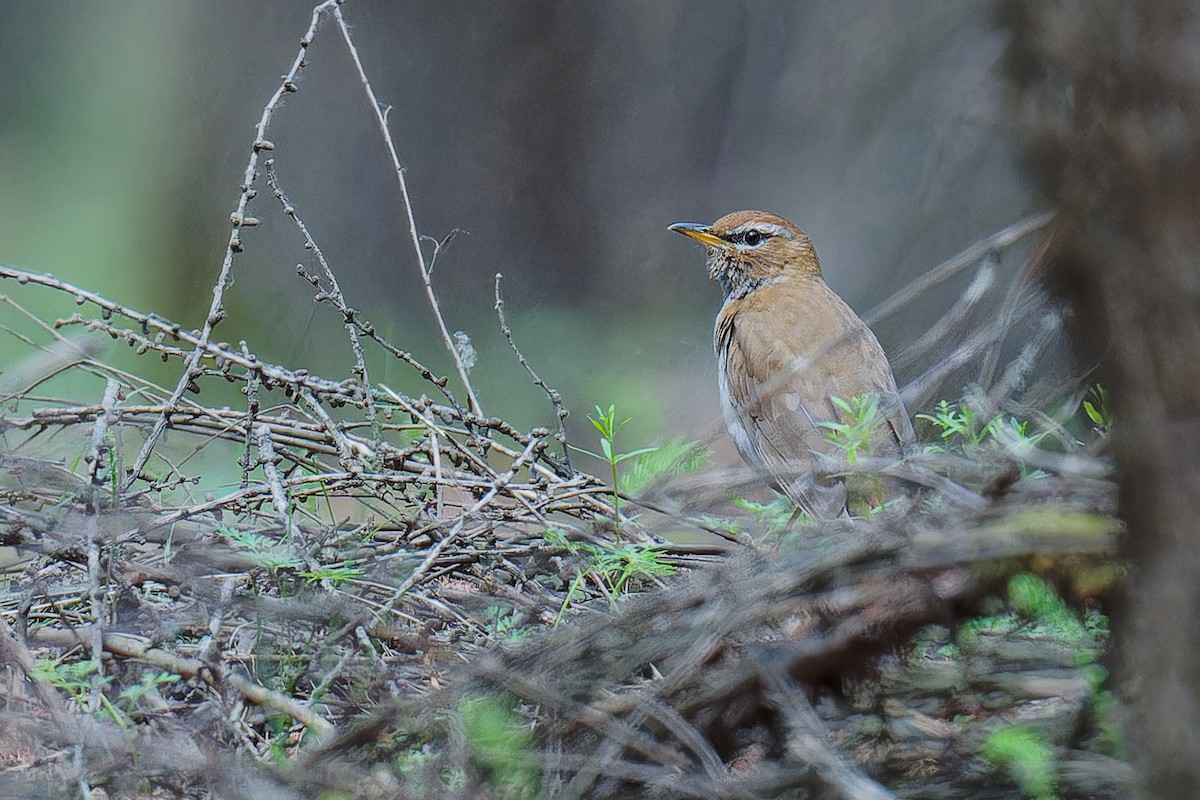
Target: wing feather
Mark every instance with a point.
(779, 365)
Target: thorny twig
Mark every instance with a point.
(333, 293)
(216, 311)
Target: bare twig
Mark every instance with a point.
(99, 454)
(141, 649)
(216, 311)
(334, 292)
(808, 742)
(252, 409)
(500, 483)
(981, 284)
(414, 236)
(560, 412)
(951, 267)
(268, 460)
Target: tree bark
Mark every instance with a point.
(1107, 98)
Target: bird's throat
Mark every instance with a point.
(737, 279)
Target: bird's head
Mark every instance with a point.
(747, 249)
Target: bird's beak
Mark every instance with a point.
(701, 233)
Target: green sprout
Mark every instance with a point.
(501, 745)
(77, 679)
(1028, 759)
(613, 566)
(853, 437)
(1096, 407)
(605, 423)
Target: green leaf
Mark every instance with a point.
(635, 453)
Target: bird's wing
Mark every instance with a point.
(876, 378)
(805, 352)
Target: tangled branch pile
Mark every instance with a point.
(335, 622)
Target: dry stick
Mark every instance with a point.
(980, 285)
(326, 681)
(808, 741)
(479, 463)
(346, 449)
(252, 409)
(129, 646)
(914, 393)
(607, 754)
(334, 294)
(216, 620)
(292, 531)
(948, 269)
(1015, 308)
(323, 483)
(289, 432)
(555, 398)
(299, 380)
(500, 483)
(736, 537)
(1050, 328)
(98, 453)
(435, 456)
(224, 358)
(268, 460)
(381, 118)
(216, 311)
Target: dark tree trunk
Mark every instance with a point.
(1107, 95)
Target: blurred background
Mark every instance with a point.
(561, 138)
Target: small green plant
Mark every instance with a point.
(1031, 596)
(262, 550)
(131, 694)
(1002, 624)
(613, 565)
(958, 424)
(1105, 711)
(501, 745)
(76, 678)
(961, 427)
(335, 575)
(963, 430)
(853, 437)
(773, 516)
(1096, 407)
(1036, 610)
(1028, 759)
(606, 424)
(507, 624)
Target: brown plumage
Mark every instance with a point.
(785, 344)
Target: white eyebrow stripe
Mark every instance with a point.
(769, 228)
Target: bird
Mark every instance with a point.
(786, 346)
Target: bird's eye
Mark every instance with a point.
(752, 238)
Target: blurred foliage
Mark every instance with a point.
(1028, 758)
